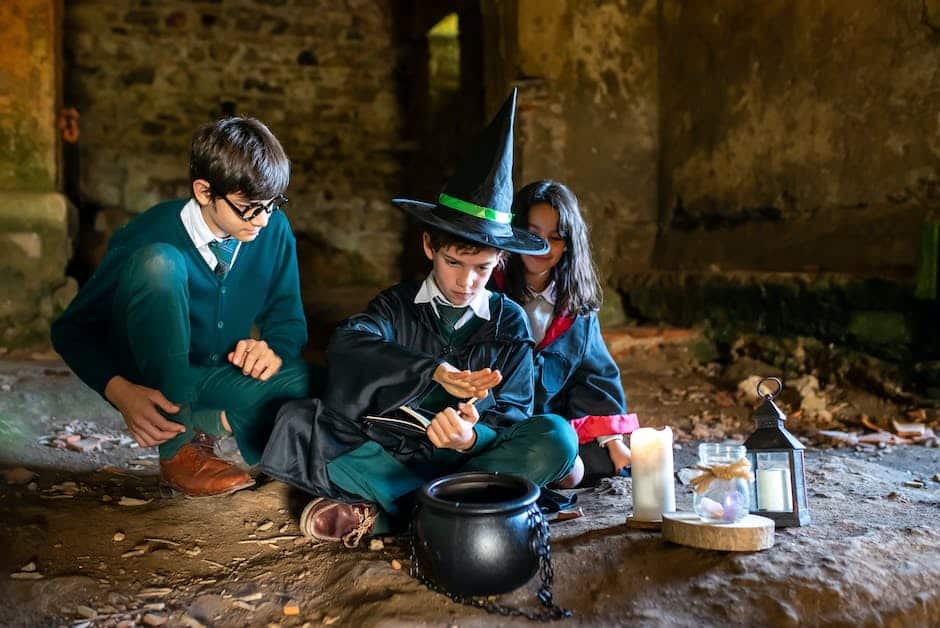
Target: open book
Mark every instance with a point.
(404, 421)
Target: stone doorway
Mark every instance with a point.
(442, 87)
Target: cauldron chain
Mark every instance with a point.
(539, 525)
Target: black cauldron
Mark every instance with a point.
(475, 533)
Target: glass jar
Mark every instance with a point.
(723, 501)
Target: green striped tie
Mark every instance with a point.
(224, 251)
(450, 315)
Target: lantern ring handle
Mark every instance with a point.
(770, 379)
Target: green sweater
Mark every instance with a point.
(262, 288)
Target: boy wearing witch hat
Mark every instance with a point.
(432, 345)
(162, 330)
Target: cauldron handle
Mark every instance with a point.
(541, 545)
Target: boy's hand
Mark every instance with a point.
(256, 359)
(139, 407)
(465, 384)
(619, 454)
(452, 430)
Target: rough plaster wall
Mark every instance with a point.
(320, 73)
(813, 123)
(588, 116)
(34, 217)
(28, 98)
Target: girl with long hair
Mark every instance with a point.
(575, 374)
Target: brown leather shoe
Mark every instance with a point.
(195, 471)
(329, 520)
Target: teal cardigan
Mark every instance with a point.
(262, 288)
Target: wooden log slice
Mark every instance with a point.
(643, 525)
(751, 534)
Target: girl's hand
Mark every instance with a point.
(619, 454)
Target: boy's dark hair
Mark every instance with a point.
(577, 290)
(440, 239)
(239, 155)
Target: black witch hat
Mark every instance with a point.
(477, 200)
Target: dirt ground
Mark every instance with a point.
(90, 540)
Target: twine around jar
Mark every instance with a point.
(740, 468)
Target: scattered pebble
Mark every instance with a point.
(936, 477)
(106, 498)
(914, 484)
(151, 619)
(291, 609)
(19, 475)
(119, 536)
(329, 619)
(264, 527)
(376, 544)
(191, 622)
(251, 597)
(30, 566)
(284, 528)
(396, 564)
(32, 486)
(26, 575)
(245, 605)
(86, 612)
(195, 551)
(133, 501)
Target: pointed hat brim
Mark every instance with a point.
(476, 230)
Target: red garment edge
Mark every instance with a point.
(590, 427)
(559, 325)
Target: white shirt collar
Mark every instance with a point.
(198, 230)
(548, 294)
(195, 224)
(430, 293)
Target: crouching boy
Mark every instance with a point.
(162, 330)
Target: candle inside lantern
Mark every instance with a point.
(773, 490)
(654, 490)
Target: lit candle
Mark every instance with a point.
(654, 489)
(773, 490)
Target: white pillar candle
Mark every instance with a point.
(773, 490)
(654, 489)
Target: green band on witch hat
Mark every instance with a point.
(475, 210)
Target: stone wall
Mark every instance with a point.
(320, 73)
(588, 113)
(34, 218)
(798, 135)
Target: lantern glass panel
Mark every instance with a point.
(772, 478)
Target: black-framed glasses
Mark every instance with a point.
(253, 210)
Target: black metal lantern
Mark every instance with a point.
(778, 490)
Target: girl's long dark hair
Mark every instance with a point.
(577, 289)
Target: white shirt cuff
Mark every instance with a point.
(603, 440)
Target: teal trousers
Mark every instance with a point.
(542, 449)
(151, 338)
